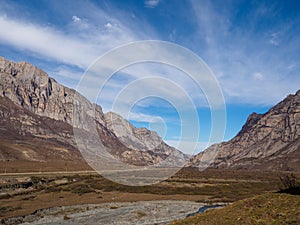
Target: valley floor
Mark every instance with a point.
(30, 194)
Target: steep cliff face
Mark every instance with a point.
(266, 141)
(31, 88)
(29, 142)
(40, 98)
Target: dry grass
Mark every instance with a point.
(271, 208)
(208, 186)
(141, 214)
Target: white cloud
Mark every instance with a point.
(141, 117)
(45, 41)
(274, 40)
(73, 49)
(67, 73)
(236, 54)
(151, 3)
(258, 76)
(76, 19)
(108, 25)
(80, 24)
(188, 147)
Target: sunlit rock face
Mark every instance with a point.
(266, 141)
(38, 98)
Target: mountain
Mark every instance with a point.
(29, 142)
(269, 141)
(136, 138)
(38, 121)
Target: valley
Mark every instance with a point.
(43, 191)
(46, 179)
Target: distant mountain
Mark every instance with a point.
(269, 141)
(37, 112)
(137, 138)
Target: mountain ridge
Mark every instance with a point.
(269, 141)
(264, 138)
(32, 89)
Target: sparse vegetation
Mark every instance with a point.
(289, 184)
(141, 214)
(53, 188)
(207, 186)
(5, 209)
(28, 197)
(271, 208)
(81, 189)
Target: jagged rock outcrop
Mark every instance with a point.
(135, 138)
(142, 139)
(40, 98)
(31, 88)
(266, 141)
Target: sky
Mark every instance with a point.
(252, 48)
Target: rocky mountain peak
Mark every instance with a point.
(135, 138)
(31, 88)
(263, 138)
(252, 119)
(24, 71)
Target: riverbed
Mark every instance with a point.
(139, 213)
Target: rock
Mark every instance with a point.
(41, 97)
(266, 141)
(141, 139)
(115, 213)
(135, 138)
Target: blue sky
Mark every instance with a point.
(252, 47)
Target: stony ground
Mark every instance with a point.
(143, 212)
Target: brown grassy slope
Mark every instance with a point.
(43, 156)
(271, 208)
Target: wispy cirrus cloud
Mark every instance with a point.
(151, 3)
(243, 53)
(55, 44)
(46, 42)
(274, 40)
(252, 47)
(234, 52)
